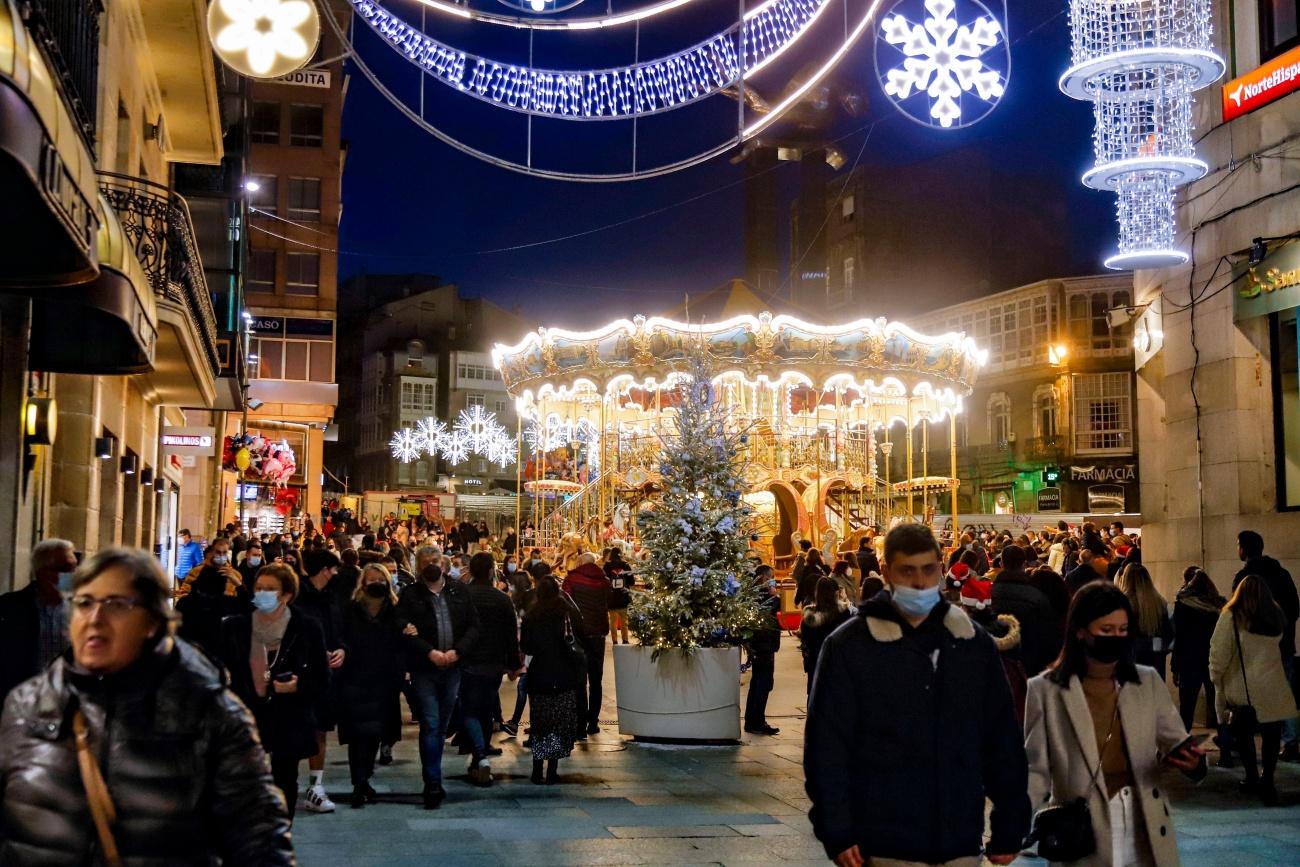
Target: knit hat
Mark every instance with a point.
(977, 592)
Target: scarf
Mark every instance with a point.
(267, 634)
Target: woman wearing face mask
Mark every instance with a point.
(370, 679)
(819, 620)
(278, 667)
(1102, 728)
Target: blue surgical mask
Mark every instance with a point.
(65, 582)
(454, 572)
(220, 559)
(771, 584)
(266, 601)
(914, 602)
(253, 561)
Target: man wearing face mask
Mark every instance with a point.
(217, 554)
(897, 689)
(33, 620)
(250, 565)
(763, 646)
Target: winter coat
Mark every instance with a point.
(621, 581)
(1063, 757)
(188, 779)
(590, 589)
(187, 557)
(286, 721)
(1284, 594)
(371, 677)
(868, 562)
(1041, 628)
(551, 670)
(415, 606)
(327, 606)
(1080, 575)
(1092, 542)
(1264, 679)
(767, 638)
(497, 647)
(1194, 620)
(1056, 558)
(234, 582)
(1152, 649)
(815, 627)
(901, 752)
(20, 636)
(1004, 629)
(201, 618)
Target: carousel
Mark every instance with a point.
(820, 410)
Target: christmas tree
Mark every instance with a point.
(698, 589)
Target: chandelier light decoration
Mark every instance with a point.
(264, 38)
(951, 61)
(475, 432)
(1138, 62)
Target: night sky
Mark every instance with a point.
(413, 204)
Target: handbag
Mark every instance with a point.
(97, 796)
(1243, 715)
(574, 654)
(1064, 831)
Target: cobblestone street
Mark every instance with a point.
(620, 802)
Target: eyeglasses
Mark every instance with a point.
(114, 607)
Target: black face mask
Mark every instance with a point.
(377, 590)
(1109, 648)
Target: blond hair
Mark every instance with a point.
(360, 593)
(1149, 607)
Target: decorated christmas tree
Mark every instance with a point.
(698, 589)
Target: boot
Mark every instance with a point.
(552, 772)
(537, 772)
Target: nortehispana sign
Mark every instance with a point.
(1120, 473)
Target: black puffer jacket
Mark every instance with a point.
(1041, 628)
(188, 778)
(497, 648)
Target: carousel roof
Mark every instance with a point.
(870, 354)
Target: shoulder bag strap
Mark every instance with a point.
(1101, 753)
(97, 796)
(1241, 659)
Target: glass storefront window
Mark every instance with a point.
(1286, 407)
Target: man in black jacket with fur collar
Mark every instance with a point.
(911, 725)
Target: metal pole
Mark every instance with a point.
(925, 468)
(952, 437)
(911, 514)
(519, 480)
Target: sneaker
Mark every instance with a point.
(317, 801)
(481, 775)
(510, 729)
(385, 754)
(492, 751)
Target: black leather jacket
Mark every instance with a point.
(187, 775)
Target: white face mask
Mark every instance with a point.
(220, 559)
(254, 561)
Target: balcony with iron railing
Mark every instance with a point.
(157, 222)
(68, 33)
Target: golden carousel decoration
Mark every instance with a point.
(815, 406)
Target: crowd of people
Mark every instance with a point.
(1042, 656)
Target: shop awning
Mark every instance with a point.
(47, 175)
(116, 321)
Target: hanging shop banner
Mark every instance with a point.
(1269, 287)
(1259, 87)
(1049, 500)
(1119, 473)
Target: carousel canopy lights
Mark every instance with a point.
(1138, 62)
(605, 94)
(945, 61)
(264, 38)
(476, 431)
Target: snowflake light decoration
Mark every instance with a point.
(952, 74)
(454, 448)
(406, 445)
(431, 432)
(478, 426)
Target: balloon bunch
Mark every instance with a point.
(259, 459)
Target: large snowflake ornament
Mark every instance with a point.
(454, 448)
(430, 432)
(479, 427)
(406, 445)
(945, 59)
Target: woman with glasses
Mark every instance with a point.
(278, 666)
(187, 781)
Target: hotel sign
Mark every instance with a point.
(1269, 287)
(1259, 87)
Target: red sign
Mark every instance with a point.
(1258, 88)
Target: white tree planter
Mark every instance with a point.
(681, 696)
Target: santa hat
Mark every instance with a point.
(977, 593)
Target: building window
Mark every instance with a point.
(475, 400)
(963, 434)
(499, 407)
(306, 125)
(321, 368)
(1103, 416)
(403, 474)
(261, 271)
(304, 199)
(1286, 408)
(418, 396)
(478, 371)
(999, 418)
(849, 268)
(264, 198)
(302, 274)
(422, 472)
(264, 123)
(296, 360)
(1088, 326)
(1046, 406)
(1279, 27)
(846, 208)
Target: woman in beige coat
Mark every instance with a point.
(1246, 669)
(1100, 727)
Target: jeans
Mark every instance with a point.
(521, 699)
(284, 773)
(1291, 727)
(361, 760)
(1190, 684)
(1130, 846)
(594, 645)
(478, 693)
(434, 691)
(762, 677)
